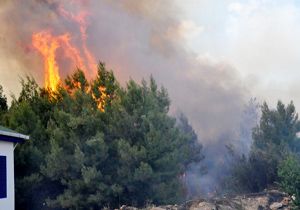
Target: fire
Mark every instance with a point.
(102, 99)
(47, 46)
(77, 85)
(80, 19)
(72, 52)
(78, 54)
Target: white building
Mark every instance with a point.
(8, 140)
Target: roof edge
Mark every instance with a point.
(11, 134)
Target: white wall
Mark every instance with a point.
(7, 149)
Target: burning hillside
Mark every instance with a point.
(136, 40)
(78, 108)
(112, 144)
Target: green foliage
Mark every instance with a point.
(85, 156)
(273, 138)
(3, 105)
(3, 101)
(289, 174)
(29, 114)
(277, 127)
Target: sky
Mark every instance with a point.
(259, 38)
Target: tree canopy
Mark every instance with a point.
(274, 139)
(95, 144)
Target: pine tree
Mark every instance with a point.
(96, 144)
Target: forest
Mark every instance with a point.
(96, 144)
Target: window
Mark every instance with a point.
(3, 179)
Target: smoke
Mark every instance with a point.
(222, 154)
(136, 39)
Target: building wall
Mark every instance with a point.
(7, 149)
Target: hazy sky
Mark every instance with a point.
(259, 38)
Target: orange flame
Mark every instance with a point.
(80, 19)
(71, 51)
(102, 99)
(47, 45)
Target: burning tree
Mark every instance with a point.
(96, 144)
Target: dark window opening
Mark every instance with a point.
(3, 177)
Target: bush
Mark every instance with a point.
(289, 175)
